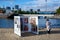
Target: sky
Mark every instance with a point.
(50, 5)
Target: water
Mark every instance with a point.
(6, 23)
(55, 23)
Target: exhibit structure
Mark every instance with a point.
(28, 23)
(24, 24)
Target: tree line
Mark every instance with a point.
(20, 11)
(27, 12)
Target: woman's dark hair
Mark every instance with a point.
(45, 17)
(47, 20)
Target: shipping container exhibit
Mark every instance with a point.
(25, 24)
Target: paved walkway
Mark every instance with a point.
(7, 34)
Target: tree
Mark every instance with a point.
(2, 10)
(27, 12)
(35, 12)
(22, 12)
(31, 11)
(38, 10)
(58, 11)
(13, 9)
(19, 11)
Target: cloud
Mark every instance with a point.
(42, 4)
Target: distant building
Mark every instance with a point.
(8, 10)
(16, 7)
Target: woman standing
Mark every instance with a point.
(48, 26)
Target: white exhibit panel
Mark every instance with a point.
(17, 27)
(34, 24)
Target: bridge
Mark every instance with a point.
(47, 12)
(4, 15)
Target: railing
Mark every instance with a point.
(48, 12)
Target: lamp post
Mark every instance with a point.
(46, 4)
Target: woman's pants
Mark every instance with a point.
(49, 31)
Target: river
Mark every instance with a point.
(6, 23)
(9, 23)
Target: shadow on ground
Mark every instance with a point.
(51, 32)
(40, 33)
(55, 32)
(27, 34)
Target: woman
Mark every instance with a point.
(48, 26)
